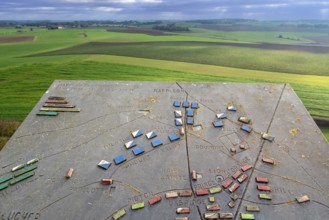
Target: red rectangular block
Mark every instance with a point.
(211, 215)
(214, 207)
(227, 183)
(56, 101)
(183, 210)
(107, 181)
(202, 192)
(236, 174)
(246, 167)
(234, 187)
(154, 200)
(261, 180)
(242, 178)
(263, 188)
(185, 193)
(268, 160)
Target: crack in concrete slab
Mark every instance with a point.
(259, 153)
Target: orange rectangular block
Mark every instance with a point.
(185, 193)
(69, 173)
(246, 167)
(172, 194)
(268, 160)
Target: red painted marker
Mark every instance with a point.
(214, 207)
(236, 174)
(107, 181)
(202, 192)
(268, 160)
(246, 167)
(263, 188)
(261, 180)
(185, 194)
(227, 183)
(154, 200)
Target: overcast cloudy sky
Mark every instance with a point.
(162, 9)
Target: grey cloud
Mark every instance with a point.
(164, 9)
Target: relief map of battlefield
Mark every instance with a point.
(176, 151)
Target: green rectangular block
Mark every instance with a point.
(252, 208)
(138, 205)
(211, 199)
(119, 214)
(4, 186)
(5, 179)
(47, 113)
(247, 216)
(215, 190)
(265, 196)
(60, 109)
(25, 170)
(22, 177)
(54, 105)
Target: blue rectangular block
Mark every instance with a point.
(119, 159)
(137, 151)
(246, 128)
(190, 113)
(231, 108)
(156, 143)
(173, 137)
(190, 121)
(177, 103)
(218, 124)
(194, 105)
(186, 104)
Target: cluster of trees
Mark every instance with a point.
(306, 25)
(222, 21)
(288, 38)
(76, 24)
(170, 27)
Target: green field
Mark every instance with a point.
(27, 69)
(298, 62)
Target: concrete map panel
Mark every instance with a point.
(151, 150)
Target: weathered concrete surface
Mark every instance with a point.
(110, 111)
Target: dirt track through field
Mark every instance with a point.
(4, 40)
